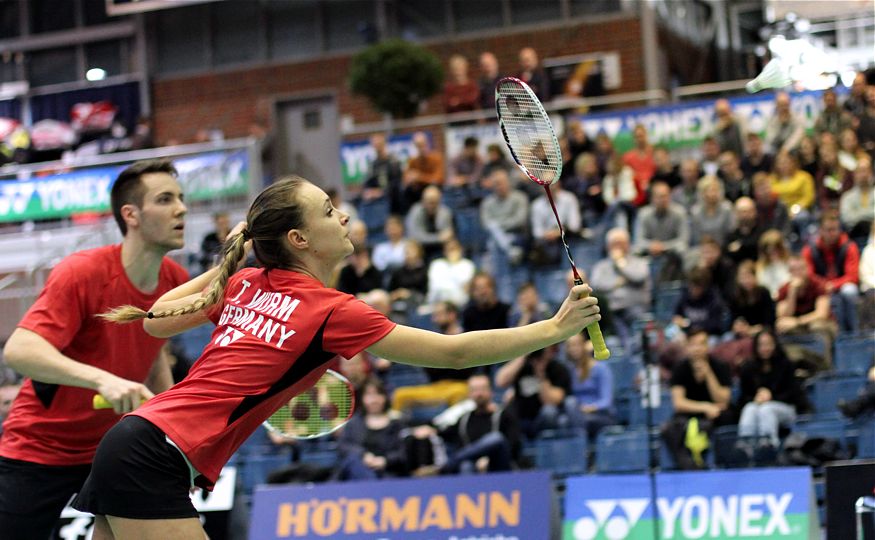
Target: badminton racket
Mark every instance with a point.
(532, 142)
(321, 409)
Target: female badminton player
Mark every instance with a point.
(277, 329)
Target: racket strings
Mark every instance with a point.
(529, 132)
(317, 411)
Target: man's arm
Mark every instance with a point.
(684, 405)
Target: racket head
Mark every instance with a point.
(527, 130)
(318, 411)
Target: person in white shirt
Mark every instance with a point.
(545, 232)
(389, 255)
(448, 276)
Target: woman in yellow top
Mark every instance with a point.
(792, 185)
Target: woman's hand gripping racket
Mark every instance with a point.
(529, 135)
(317, 411)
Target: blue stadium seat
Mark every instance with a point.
(552, 286)
(854, 353)
(403, 375)
(323, 454)
(828, 388)
(560, 453)
(468, 229)
(621, 451)
(625, 370)
(866, 441)
(424, 414)
(374, 213)
(456, 198)
(586, 254)
(665, 298)
(255, 469)
(830, 428)
(661, 414)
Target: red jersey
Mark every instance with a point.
(276, 333)
(54, 424)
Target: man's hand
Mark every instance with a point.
(124, 395)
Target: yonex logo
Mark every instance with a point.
(228, 337)
(615, 527)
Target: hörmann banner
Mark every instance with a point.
(495, 507)
(753, 503)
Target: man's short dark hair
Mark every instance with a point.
(128, 189)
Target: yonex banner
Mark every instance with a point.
(752, 503)
(203, 176)
(494, 507)
(356, 156)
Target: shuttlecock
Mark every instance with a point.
(774, 75)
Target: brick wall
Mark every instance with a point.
(231, 101)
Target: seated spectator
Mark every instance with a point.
(773, 261)
(866, 126)
(662, 232)
(533, 74)
(371, 442)
(803, 308)
(863, 404)
(528, 307)
(604, 151)
(546, 239)
(424, 169)
(504, 214)
(430, 222)
(770, 395)
(700, 389)
(743, 240)
(735, 183)
(710, 161)
(211, 245)
(831, 179)
(448, 276)
(495, 161)
(755, 158)
(857, 205)
(591, 403)
(445, 386)
(384, 177)
(784, 129)
(460, 92)
(832, 118)
(466, 168)
(618, 194)
(586, 185)
(486, 437)
(389, 254)
(807, 155)
(712, 215)
(686, 194)
(771, 211)
(359, 275)
(700, 305)
(578, 141)
(849, 149)
(485, 311)
(750, 305)
(833, 257)
(795, 188)
(409, 283)
(539, 385)
(720, 268)
(729, 133)
(489, 76)
(624, 278)
(666, 171)
(640, 160)
(867, 283)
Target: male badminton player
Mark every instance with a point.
(67, 354)
(277, 329)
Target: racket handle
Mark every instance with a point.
(600, 349)
(100, 402)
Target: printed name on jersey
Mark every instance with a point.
(259, 318)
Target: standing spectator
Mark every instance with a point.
(686, 194)
(832, 119)
(489, 76)
(533, 74)
(784, 129)
(640, 160)
(857, 205)
(770, 396)
(855, 103)
(504, 214)
(586, 185)
(591, 402)
(835, 258)
(665, 169)
(423, 170)
(547, 245)
(750, 304)
(712, 215)
(211, 245)
(803, 307)
(389, 254)
(771, 211)
(448, 276)
(728, 131)
(485, 311)
(743, 239)
(528, 307)
(409, 283)
(467, 167)
(700, 305)
(359, 275)
(773, 261)
(624, 278)
(661, 228)
(539, 385)
(700, 388)
(384, 176)
(430, 223)
(618, 193)
(460, 92)
(735, 183)
(755, 158)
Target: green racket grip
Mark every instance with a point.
(99, 402)
(600, 349)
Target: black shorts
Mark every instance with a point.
(137, 474)
(33, 495)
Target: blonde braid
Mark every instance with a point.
(233, 253)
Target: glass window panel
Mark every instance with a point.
(52, 15)
(52, 66)
(530, 11)
(236, 32)
(10, 26)
(292, 28)
(593, 7)
(418, 19)
(350, 23)
(182, 38)
(106, 55)
(94, 12)
(480, 15)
